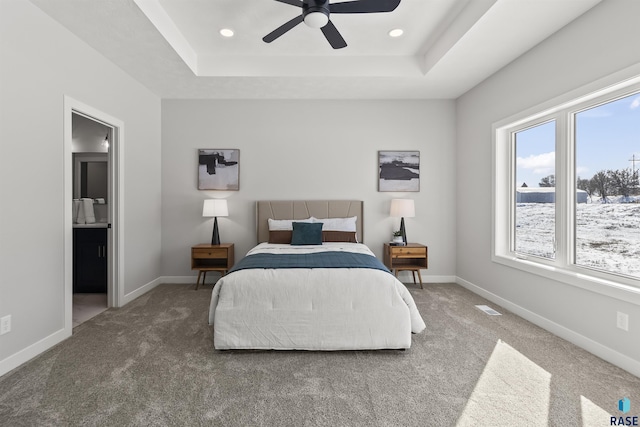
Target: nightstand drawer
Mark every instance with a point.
(209, 253)
(406, 252)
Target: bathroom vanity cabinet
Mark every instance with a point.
(90, 260)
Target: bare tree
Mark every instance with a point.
(601, 185)
(623, 181)
(585, 185)
(548, 181)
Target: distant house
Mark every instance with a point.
(543, 195)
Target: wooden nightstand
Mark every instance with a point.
(206, 257)
(412, 257)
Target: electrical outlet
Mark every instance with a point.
(622, 321)
(5, 324)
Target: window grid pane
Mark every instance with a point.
(607, 215)
(535, 208)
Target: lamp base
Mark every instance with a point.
(215, 238)
(403, 231)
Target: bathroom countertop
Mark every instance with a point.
(94, 225)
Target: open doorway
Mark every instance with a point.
(91, 197)
(92, 142)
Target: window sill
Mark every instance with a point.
(609, 288)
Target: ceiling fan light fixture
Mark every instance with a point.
(226, 32)
(396, 32)
(316, 19)
(316, 14)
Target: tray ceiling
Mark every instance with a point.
(174, 47)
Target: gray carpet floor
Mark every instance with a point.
(152, 363)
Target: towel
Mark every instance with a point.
(87, 207)
(80, 217)
(75, 207)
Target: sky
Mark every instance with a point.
(607, 137)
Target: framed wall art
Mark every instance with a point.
(219, 169)
(399, 171)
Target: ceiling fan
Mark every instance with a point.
(315, 13)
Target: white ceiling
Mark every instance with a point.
(174, 48)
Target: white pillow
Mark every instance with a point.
(285, 224)
(337, 224)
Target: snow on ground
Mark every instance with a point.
(607, 235)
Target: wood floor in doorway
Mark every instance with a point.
(86, 306)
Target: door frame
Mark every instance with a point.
(115, 238)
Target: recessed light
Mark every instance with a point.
(226, 32)
(396, 32)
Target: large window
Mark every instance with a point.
(567, 194)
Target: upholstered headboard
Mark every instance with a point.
(301, 209)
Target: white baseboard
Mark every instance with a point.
(32, 351)
(438, 279)
(141, 290)
(407, 277)
(185, 280)
(602, 351)
(179, 280)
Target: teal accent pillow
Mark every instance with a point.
(306, 233)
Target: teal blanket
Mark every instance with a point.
(333, 259)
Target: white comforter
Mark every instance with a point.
(312, 309)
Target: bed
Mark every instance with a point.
(330, 296)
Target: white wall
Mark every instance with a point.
(307, 150)
(40, 63)
(601, 42)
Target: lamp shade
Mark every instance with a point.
(215, 207)
(403, 208)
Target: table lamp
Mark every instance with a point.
(215, 208)
(403, 208)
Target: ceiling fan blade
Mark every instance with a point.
(292, 2)
(364, 6)
(333, 36)
(282, 29)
